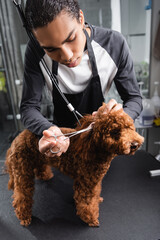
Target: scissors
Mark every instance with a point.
(67, 135)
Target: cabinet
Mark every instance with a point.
(151, 137)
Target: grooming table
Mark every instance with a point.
(130, 210)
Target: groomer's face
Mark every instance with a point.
(63, 39)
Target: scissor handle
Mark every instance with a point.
(56, 146)
(69, 135)
(55, 152)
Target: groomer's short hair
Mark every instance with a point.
(39, 13)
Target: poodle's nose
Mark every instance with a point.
(134, 145)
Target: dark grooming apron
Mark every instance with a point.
(84, 102)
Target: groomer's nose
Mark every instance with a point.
(66, 54)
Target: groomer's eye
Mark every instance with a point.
(72, 38)
(51, 50)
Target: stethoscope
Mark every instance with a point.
(50, 74)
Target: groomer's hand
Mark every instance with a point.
(111, 105)
(48, 144)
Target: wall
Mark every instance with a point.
(155, 65)
(133, 19)
(154, 133)
(97, 12)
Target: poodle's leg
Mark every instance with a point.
(44, 172)
(87, 201)
(11, 182)
(11, 178)
(100, 199)
(23, 196)
(9, 170)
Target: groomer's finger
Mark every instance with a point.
(94, 113)
(117, 107)
(48, 141)
(47, 133)
(63, 143)
(60, 147)
(45, 145)
(110, 105)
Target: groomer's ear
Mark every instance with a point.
(81, 17)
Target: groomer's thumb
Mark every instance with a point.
(94, 113)
(47, 133)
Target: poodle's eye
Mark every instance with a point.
(115, 133)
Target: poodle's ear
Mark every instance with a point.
(125, 119)
(122, 118)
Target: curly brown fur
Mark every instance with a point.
(87, 160)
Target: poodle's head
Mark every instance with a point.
(115, 133)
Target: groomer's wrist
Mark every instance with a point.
(55, 130)
(52, 128)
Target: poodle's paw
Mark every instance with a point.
(10, 185)
(45, 176)
(48, 176)
(101, 199)
(26, 222)
(94, 223)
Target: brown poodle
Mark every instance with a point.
(86, 161)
